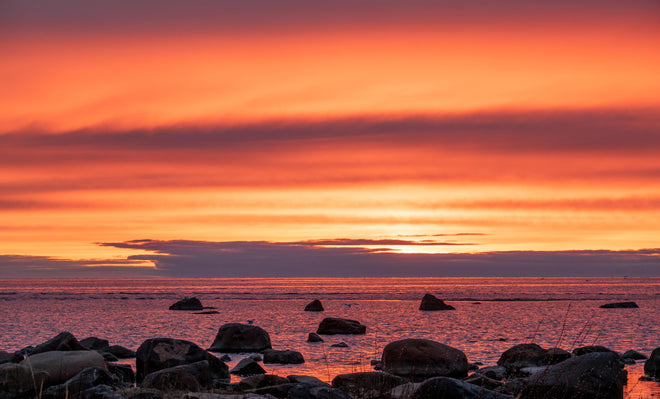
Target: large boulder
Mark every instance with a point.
(314, 306)
(620, 305)
(283, 357)
(187, 303)
(370, 384)
(652, 365)
(162, 353)
(192, 376)
(430, 302)
(334, 325)
(17, 380)
(450, 388)
(240, 338)
(597, 375)
(422, 358)
(74, 386)
(521, 356)
(62, 365)
(64, 341)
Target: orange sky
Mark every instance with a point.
(534, 126)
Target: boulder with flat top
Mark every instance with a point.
(187, 303)
(240, 338)
(419, 359)
(335, 325)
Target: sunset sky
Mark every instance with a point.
(212, 138)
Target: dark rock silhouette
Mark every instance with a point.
(162, 353)
(339, 345)
(366, 384)
(187, 303)
(591, 349)
(87, 378)
(314, 306)
(247, 367)
(634, 355)
(239, 338)
(93, 343)
(521, 356)
(333, 326)
(314, 337)
(119, 351)
(430, 302)
(64, 341)
(283, 357)
(422, 358)
(652, 365)
(451, 388)
(620, 305)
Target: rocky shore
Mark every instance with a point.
(67, 368)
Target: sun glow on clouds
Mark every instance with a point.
(532, 124)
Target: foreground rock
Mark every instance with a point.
(238, 338)
(119, 351)
(261, 381)
(652, 365)
(520, 356)
(247, 367)
(7, 357)
(450, 388)
(422, 358)
(598, 375)
(94, 343)
(190, 377)
(17, 380)
(633, 355)
(74, 386)
(314, 306)
(162, 353)
(313, 391)
(591, 349)
(187, 303)
(62, 365)
(283, 357)
(430, 302)
(372, 384)
(64, 341)
(620, 305)
(334, 325)
(100, 392)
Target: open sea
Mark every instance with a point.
(492, 314)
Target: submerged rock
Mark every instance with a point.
(335, 325)
(430, 302)
(422, 358)
(239, 338)
(620, 305)
(314, 306)
(187, 303)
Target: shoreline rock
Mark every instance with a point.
(187, 303)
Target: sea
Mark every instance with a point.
(492, 315)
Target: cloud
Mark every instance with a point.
(21, 266)
(384, 242)
(268, 259)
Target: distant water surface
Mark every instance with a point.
(492, 314)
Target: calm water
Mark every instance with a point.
(552, 312)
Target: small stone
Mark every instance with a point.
(314, 337)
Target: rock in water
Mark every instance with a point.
(187, 303)
(652, 365)
(161, 353)
(422, 358)
(598, 375)
(238, 338)
(450, 388)
(93, 343)
(620, 305)
(314, 306)
(430, 302)
(247, 367)
(314, 337)
(283, 357)
(333, 325)
(64, 341)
